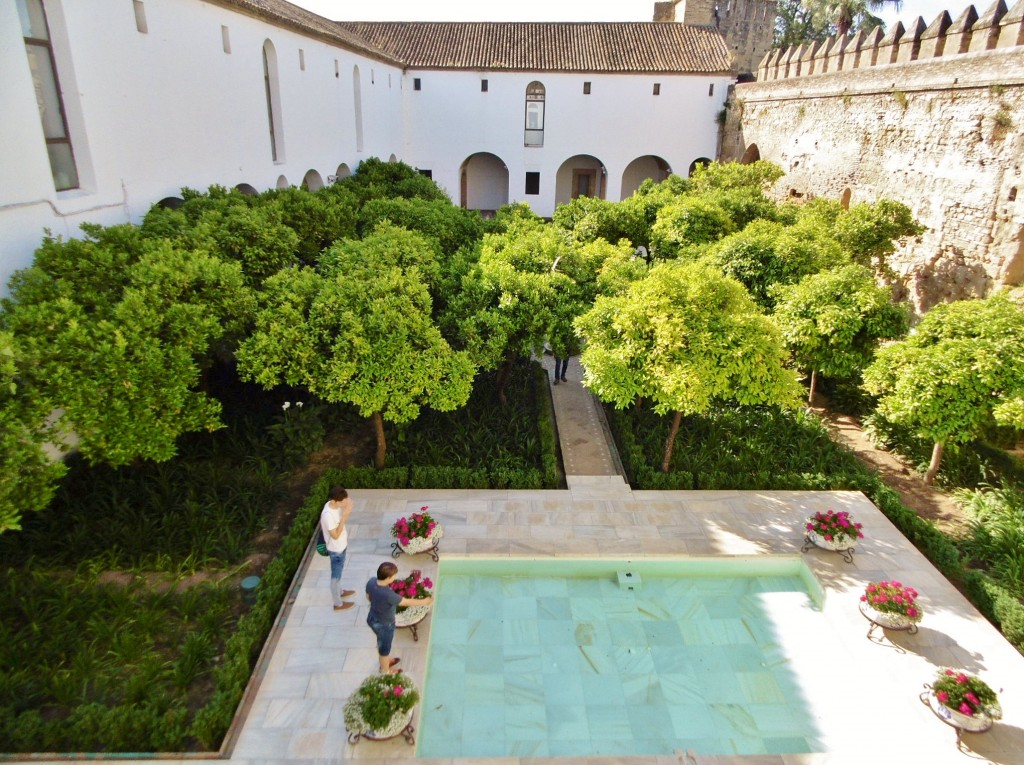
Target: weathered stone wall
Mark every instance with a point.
(747, 25)
(940, 130)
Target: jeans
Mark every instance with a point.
(561, 365)
(385, 634)
(337, 566)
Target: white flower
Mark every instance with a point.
(286, 404)
(298, 404)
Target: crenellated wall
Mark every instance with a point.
(930, 115)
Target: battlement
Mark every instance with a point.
(944, 38)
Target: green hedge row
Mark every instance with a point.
(243, 647)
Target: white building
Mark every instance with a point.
(109, 106)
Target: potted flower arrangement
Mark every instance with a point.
(964, 701)
(833, 531)
(892, 605)
(413, 586)
(415, 534)
(381, 708)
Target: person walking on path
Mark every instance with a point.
(383, 603)
(560, 366)
(333, 519)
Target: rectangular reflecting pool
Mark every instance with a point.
(572, 657)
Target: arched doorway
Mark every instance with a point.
(699, 162)
(580, 176)
(640, 169)
(844, 199)
(312, 181)
(170, 203)
(342, 172)
(282, 182)
(247, 189)
(752, 154)
(483, 183)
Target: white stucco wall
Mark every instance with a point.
(450, 119)
(152, 112)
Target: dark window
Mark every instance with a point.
(711, 89)
(586, 88)
(426, 173)
(533, 183)
(657, 88)
(483, 86)
(535, 95)
(416, 84)
(48, 94)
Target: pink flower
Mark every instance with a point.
(961, 678)
(404, 540)
(810, 527)
(971, 698)
(950, 672)
(896, 584)
(966, 708)
(398, 690)
(423, 509)
(828, 537)
(942, 696)
(872, 588)
(428, 584)
(911, 612)
(863, 598)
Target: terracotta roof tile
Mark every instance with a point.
(608, 47)
(284, 14)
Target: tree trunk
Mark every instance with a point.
(933, 466)
(382, 444)
(677, 418)
(814, 382)
(503, 374)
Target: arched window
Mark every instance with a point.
(273, 91)
(357, 106)
(534, 134)
(39, 49)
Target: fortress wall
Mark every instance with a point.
(941, 132)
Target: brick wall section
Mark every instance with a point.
(944, 135)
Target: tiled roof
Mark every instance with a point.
(286, 15)
(570, 47)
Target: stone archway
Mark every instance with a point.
(640, 169)
(581, 175)
(751, 155)
(282, 182)
(248, 189)
(483, 183)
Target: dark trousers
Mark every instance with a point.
(561, 365)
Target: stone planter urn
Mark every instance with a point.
(400, 725)
(410, 617)
(978, 723)
(843, 546)
(416, 545)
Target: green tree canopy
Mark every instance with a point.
(121, 360)
(765, 254)
(833, 321)
(685, 337)
(360, 332)
(960, 371)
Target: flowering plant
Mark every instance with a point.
(893, 598)
(966, 694)
(834, 527)
(413, 586)
(377, 700)
(417, 526)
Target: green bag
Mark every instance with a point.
(321, 543)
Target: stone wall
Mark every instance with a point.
(747, 25)
(931, 116)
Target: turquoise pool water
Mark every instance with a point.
(568, 657)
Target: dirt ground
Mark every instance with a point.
(926, 501)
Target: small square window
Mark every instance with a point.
(533, 183)
(426, 173)
(711, 89)
(657, 88)
(416, 84)
(483, 86)
(586, 88)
